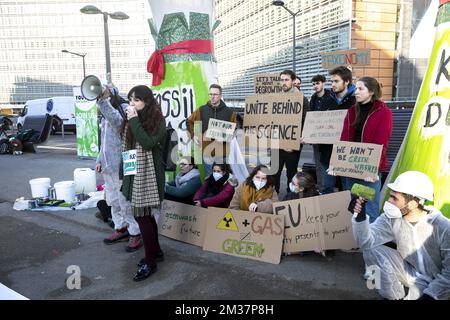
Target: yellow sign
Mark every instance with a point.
(227, 223)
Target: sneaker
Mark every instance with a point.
(117, 236)
(134, 243)
(144, 272)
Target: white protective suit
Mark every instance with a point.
(110, 157)
(421, 261)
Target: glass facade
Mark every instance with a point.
(33, 33)
(256, 37)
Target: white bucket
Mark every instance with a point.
(39, 187)
(84, 180)
(65, 190)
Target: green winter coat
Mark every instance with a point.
(148, 142)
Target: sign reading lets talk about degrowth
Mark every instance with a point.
(251, 235)
(276, 118)
(266, 83)
(356, 160)
(321, 222)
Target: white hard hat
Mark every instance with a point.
(414, 183)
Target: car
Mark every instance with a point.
(61, 108)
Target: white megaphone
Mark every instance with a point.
(92, 88)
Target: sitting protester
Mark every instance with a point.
(257, 193)
(421, 261)
(218, 188)
(301, 186)
(186, 182)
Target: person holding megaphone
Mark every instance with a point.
(112, 109)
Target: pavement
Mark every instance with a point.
(38, 250)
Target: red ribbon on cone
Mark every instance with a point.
(155, 64)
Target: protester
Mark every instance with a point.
(215, 108)
(218, 188)
(322, 100)
(186, 182)
(421, 261)
(341, 97)
(144, 131)
(302, 186)
(288, 157)
(257, 193)
(368, 121)
(112, 109)
(297, 83)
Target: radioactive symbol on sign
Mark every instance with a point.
(227, 223)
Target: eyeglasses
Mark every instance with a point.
(183, 164)
(214, 94)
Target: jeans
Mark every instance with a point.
(325, 181)
(373, 206)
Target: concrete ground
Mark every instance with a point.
(37, 248)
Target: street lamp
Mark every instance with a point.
(80, 55)
(115, 15)
(281, 4)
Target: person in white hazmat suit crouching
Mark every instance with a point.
(420, 266)
(112, 108)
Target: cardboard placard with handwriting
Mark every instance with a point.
(183, 222)
(323, 127)
(355, 159)
(220, 130)
(275, 117)
(244, 234)
(266, 83)
(321, 222)
(353, 57)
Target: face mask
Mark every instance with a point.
(393, 212)
(217, 175)
(292, 187)
(259, 184)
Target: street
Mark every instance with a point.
(37, 248)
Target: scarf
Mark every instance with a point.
(249, 195)
(182, 179)
(145, 193)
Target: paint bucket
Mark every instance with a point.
(84, 180)
(39, 187)
(65, 190)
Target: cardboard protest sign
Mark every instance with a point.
(354, 57)
(220, 130)
(251, 235)
(321, 222)
(355, 159)
(323, 127)
(183, 222)
(266, 83)
(275, 117)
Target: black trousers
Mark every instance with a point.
(290, 159)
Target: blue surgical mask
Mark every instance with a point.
(259, 184)
(217, 175)
(292, 187)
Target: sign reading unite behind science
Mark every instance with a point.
(275, 117)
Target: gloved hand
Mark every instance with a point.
(361, 215)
